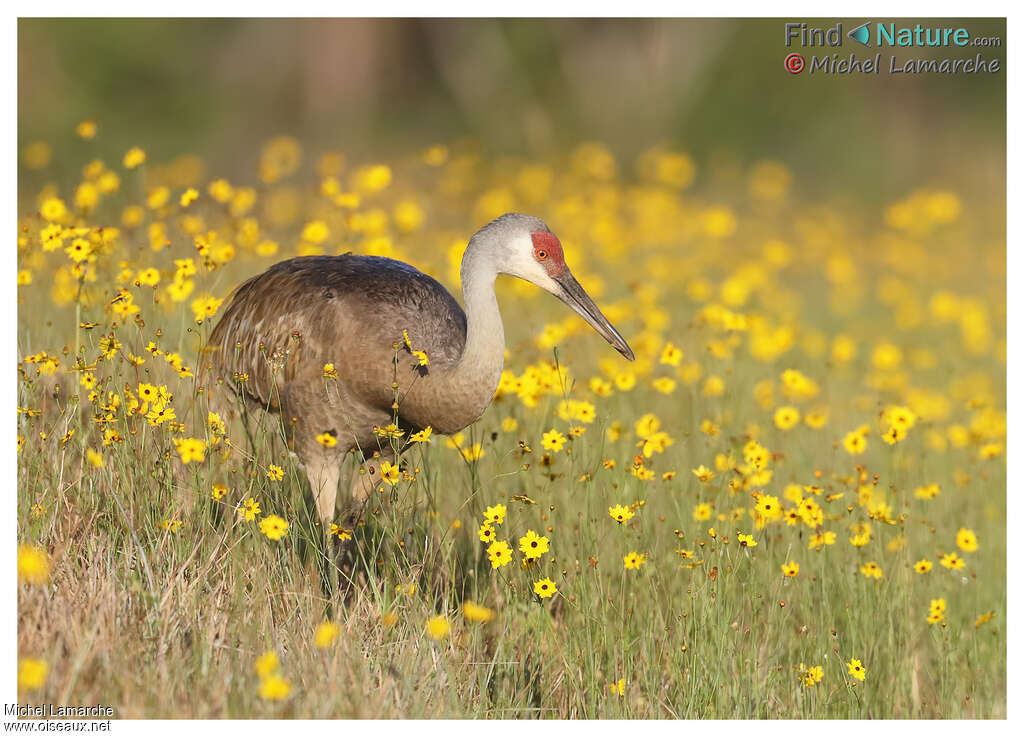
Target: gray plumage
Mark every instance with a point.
(285, 324)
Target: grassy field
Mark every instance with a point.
(735, 523)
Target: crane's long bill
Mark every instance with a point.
(574, 296)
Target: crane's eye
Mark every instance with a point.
(541, 255)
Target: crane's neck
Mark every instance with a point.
(456, 395)
(484, 353)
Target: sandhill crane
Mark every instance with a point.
(284, 325)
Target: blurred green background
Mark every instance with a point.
(714, 88)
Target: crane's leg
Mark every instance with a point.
(323, 476)
(323, 473)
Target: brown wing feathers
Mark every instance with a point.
(282, 325)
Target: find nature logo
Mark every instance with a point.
(861, 34)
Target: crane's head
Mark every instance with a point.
(525, 247)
